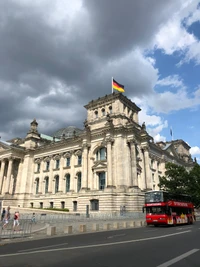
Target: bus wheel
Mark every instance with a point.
(174, 221)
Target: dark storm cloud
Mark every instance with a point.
(121, 25)
(75, 57)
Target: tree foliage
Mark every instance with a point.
(180, 181)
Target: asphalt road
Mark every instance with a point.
(140, 247)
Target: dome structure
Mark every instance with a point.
(67, 132)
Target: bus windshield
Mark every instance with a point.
(154, 196)
(156, 210)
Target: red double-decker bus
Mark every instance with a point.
(164, 208)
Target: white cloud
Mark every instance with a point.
(195, 150)
(173, 36)
(173, 81)
(195, 16)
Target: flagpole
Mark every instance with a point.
(112, 84)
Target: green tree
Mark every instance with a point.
(193, 186)
(178, 180)
(175, 179)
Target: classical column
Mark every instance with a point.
(85, 167)
(10, 164)
(2, 174)
(61, 178)
(147, 167)
(134, 178)
(72, 176)
(51, 175)
(109, 163)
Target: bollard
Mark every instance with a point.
(95, 227)
(106, 226)
(125, 224)
(82, 228)
(116, 225)
(51, 230)
(68, 229)
(132, 224)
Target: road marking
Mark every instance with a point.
(93, 246)
(109, 237)
(30, 249)
(179, 258)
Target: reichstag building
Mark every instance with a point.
(108, 164)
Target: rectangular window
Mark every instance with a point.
(153, 178)
(38, 167)
(68, 162)
(62, 204)
(75, 205)
(102, 153)
(102, 180)
(57, 164)
(46, 185)
(47, 165)
(67, 183)
(37, 186)
(79, 160)
(79, 182)
(94, 204)
(51, 205)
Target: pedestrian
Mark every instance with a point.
(3, 214)
(16, 221)
(33, 218)
(6, 218)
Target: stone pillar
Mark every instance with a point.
(61, 178)
(41, 184)
(72, 176)
(10, 164)
(85, 167)
(134, 177)
(2, 175)
(51, 175)
(109, 164)
(147, 168)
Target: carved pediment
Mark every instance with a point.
(4, 147)
(99, 165)
(172, 151)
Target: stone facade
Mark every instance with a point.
(107, 165)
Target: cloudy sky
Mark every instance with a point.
(56, 56)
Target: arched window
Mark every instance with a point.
(67, 182)
(101, 154)
(37, 180)
(103, 112)
(56, 183)
(110, 109)
(38, 167)
(57, 163)
(79, 159)
(46, 184)
(78, 181)
(67, 161)
(47, 165)
(102, 180)
(96, 114)
(94, 204)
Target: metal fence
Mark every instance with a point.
(9, 231)
(48, 217)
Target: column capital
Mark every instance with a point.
(145, 148)
(110, 140)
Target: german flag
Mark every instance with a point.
(117, 86)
